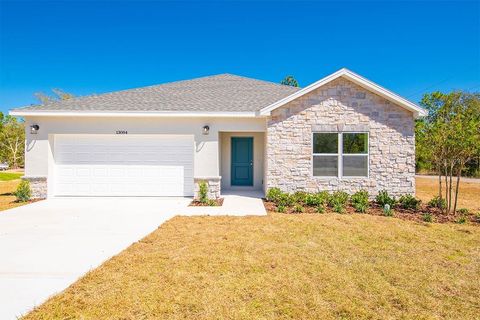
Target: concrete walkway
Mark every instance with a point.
(235, 203)
(48, 245)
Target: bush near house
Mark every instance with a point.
(407, 207)
(384, 198)
(23, 192)
(203, 199)
(408, 201)
(338, 201)
(359, 201)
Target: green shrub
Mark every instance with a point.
(273, 194)
(427, 217)
(281, 209)
(437, 202)
(203, 192)
(461, 220)
(23, 192)
(317, 199)
(311, 200)
(359, 201)
(299, 197)
(298, 208)
(463, 215)
(338, 201)
(408, 201)
(387, 210)
(384, 198)
(211, 202)
(321, 209)
(285, 199)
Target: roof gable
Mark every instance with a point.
(357, 79)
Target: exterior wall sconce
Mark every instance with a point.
(206, 130)
(34, 129)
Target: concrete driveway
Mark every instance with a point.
(46, 246)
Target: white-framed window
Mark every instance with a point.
(340, 154)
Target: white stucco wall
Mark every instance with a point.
(258, 157)
(39, 147)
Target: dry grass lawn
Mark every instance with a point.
(469, 193)
(281, 266)
(7, 199)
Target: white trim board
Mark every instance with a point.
(45, 113)
(357, 79)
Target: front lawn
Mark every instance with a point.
(303, 266)
(9, 176)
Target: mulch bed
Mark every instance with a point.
(196, 203)
(412, 215)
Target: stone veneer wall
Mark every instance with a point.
(214, 186)
(344, 106)
(38, 186)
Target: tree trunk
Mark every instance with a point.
(440, 183)
(446, 188)
(450, 190)
(440, 195)
(459, 173)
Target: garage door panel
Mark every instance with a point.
(124, 165)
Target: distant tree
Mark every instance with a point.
(12, 141)
(58, 94)
(289, 81)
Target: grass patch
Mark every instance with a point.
(7, 199)
(282, 266)
(9, 176)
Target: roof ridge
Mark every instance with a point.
(258, 80)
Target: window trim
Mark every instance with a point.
(340, 156)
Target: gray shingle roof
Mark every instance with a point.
(218, 93)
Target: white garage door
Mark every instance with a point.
(123, 165)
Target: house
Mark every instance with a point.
(342, 132)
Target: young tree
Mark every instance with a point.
(12, 141)
(289, 81)
(451, 133)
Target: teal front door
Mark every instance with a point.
(242, 161)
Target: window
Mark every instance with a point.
(325, 154)
(340, 154)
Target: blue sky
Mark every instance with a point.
(94, 47)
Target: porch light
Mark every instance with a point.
(34, 129)
(206, 129)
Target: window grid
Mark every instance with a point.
(340, 155)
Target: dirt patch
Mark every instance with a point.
(210, 203)
(374, 209)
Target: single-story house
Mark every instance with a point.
(342, 132)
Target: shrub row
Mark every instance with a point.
(339, 200)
